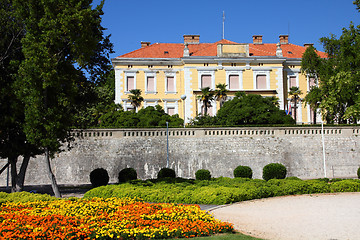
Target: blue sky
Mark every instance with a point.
(131, 21)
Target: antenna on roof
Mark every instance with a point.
(223, 23)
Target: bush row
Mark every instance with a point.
(100, 177)
(220, 190)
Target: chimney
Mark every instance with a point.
(284, 39)
(191, 39)
(145, 44)
(306, 45)
(257, 39)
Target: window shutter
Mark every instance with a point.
(234, 82)
(261, 82)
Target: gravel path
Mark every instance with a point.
(315, 217)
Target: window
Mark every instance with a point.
(130, 83)
(292, 82)
(234, 82)
(312, 82)
(260, 81)
(205, 81)
(170, 84)
(150, 84)
(171, 111)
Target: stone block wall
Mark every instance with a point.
(218, 150)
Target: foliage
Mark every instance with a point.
(166, 173)
(24, 197)
(251, 109)
(274, 171)
(220, 190)
(295, 93)
(105, 219)
(99, 177)
(127, 174)
(145, 117)
(202, 174)
(243, 172)
(339, 75)
(358, 172)
(221, 93)
(206, 97)
(313, 98)
(135, 98)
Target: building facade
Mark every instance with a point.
(172, 74)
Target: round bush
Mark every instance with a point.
(127, 174)
(202, 174)
(358, 172)
(166, 173)
(99, 177)
(243, 172)
(274, 171)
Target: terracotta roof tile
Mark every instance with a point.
(176, 50)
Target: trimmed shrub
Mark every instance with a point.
(243, 172)
(274, 171)
(99, 177)
(127, 174)
(202, 174)
(166, 173)
(358, 172)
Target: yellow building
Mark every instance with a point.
(172, 74)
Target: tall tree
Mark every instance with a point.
(135, 98)
(63, 38)
(339, 75)
(206, 97)
(295, 93)
(13, 142)
(221, 93)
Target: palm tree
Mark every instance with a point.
(206, 97)
(221, 93)
(135, 98)
(295, 92)
(313, 98)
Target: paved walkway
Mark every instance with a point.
(313, 217)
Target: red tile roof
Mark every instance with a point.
(176, 50)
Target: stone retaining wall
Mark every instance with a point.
(219, 150)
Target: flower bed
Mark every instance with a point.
(110, 218)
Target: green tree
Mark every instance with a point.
(251, 109)
(339, 74)
(206, 97)
(221, 93)
(63, 39)
(135, 98)
(295, 93)
(13, 142)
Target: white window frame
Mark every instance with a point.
(293, 74)
(147, 74)
(206, 72)
(171, 104)
(213, 103)
(308, 81)
(167, 74)
(129, 74)
(127, 105)
(231, 73)
(261, 72)
(150, 103)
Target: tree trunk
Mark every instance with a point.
(205, 107)
(14, 176)
(51, 175)
(315, 112)
(21, 176)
